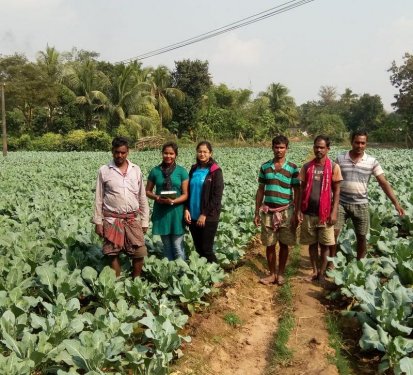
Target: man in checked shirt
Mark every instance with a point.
(121, 214)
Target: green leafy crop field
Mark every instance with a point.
(63, 311)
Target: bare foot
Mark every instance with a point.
(314, 277)
(271, 279)
(281, 280)
(322, 281)
(330, 266)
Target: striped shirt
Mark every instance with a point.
(353, 189)
(278, 185)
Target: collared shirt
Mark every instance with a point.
(120, 193)
(356, 176)
(278, 184)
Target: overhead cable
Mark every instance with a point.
(289, 5)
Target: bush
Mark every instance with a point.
(80, 140)
(391, 130)
(131, 131)
(97, 140)
(75, 141)
(25, 142)
(22, 143)
(12, 143)
(48, 142)
(330, 125)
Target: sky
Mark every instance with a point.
(339, 43)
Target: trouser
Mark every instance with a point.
(203, 238)
(173, 246)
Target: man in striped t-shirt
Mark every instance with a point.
(357, 167)
(278, 189)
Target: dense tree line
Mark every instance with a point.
(74, 101)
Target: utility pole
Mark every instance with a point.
(3, 120)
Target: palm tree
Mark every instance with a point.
(88, 84)
(130, 95)
(161, 92)
(348, 97)
(50, 65)
(281, 104)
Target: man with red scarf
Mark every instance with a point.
(320, 190)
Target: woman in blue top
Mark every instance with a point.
(171, 183)
(206, 185)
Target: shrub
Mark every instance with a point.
(12, 144)
(75, 141)
(25, 142)
(329, 125)
(48, 142)
(97, 140)
(22, 143)
(131, 131)
(80, 140)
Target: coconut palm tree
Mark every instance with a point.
(281, 104)
(50, 65)
(161, 91)
(129, 95)
(88, 84)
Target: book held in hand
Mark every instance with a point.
(168, 194)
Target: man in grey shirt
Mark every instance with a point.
(121, 214)
(357, 167)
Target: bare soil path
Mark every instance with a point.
(219, 348)
(309, 339)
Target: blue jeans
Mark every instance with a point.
(173, 246)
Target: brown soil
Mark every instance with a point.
(217, 348)
(309, 339)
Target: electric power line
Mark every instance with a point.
(213, 31)
(289, 5)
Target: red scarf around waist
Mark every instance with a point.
(115, 232)
(276, 214)
(325, 193)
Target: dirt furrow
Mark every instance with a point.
(309, 339)
(234, 336)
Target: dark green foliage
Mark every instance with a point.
(402, 80)
(329, 125)
(79, 140)
(64, 92)
(48, 142)
(366, 113)
(193, 79)
(391, 130)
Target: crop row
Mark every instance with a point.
(380, 285)
(62, 309)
